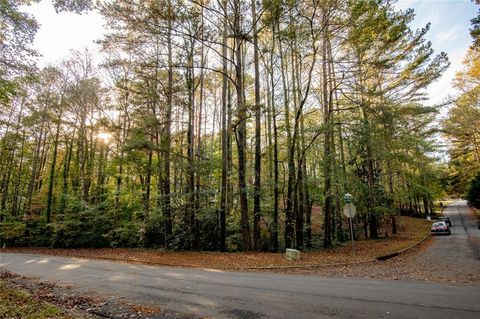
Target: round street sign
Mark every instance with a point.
(349, 210)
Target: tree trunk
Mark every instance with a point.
(147, 189)
(327, 151)
(35, 168)
(167, 210)
(276, 192)
(241, 129)
(66, 173)
(289, 227)
(258, 152)
(52, 170)
(224, 208)
(17, 187)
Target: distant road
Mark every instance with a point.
(460, 250)
(219, 294)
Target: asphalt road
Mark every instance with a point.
(459, 252)
(219, 294)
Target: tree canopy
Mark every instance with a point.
(463, 121)
(220, 125)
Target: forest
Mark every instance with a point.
(228, 125)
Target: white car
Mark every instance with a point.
(440, 228)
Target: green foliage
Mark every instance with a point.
(81, 225)
(16, 36)
(473, 193)
(77, 6)
(382, 210)
(12, 233)
(125, 235)
(475, 30)
(461, 127)
(274, 10)
(8, 89)
(234, 237)
(152, 233)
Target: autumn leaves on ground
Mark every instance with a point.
(17, 303)
(410, 231)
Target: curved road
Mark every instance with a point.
(218, 294)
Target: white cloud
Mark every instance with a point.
(448, 35)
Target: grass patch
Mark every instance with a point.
(17, 303)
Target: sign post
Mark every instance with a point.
(349, 210)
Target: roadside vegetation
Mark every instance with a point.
(473, 194)
(411, 231)
(18, 303)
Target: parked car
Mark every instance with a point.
(446, 220)
(440, 228)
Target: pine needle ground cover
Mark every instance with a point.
(410, 231)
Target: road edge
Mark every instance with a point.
(395, 254)
(372, 260)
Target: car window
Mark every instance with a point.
(439, 224)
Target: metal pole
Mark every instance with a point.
(351, 228)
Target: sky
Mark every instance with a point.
(61, 33)
(64, 32)
(449, 32)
